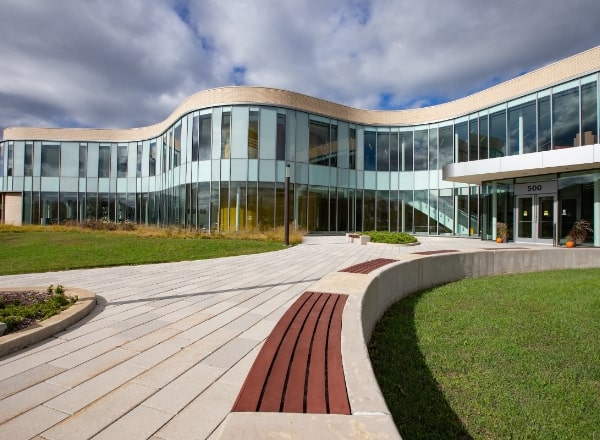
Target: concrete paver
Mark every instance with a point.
(168, 346)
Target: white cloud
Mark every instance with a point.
(108, 63)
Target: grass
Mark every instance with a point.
(513, 356)
(31, 249)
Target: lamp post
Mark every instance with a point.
(286, 207)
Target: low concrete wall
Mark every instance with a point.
(416, 273)
(369, 296)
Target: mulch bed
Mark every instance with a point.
(26, 298)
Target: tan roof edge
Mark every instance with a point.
(575, 66)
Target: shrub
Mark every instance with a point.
(390, 237)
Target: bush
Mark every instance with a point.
(390, 237)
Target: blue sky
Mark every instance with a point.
(109, 63)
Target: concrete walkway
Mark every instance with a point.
(166, 350)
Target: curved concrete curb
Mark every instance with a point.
(370, 295)
(86, 301)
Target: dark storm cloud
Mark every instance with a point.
(107, 63)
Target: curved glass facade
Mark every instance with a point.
(223, 168)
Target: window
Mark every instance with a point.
(205, 137)
(497, 139)
(28, 159)
(1, 164)
(140, 152)
(406, 140)
(565, 118)
(104, 161)
(122, 161)
(50, 160)
(589, 114)
(177, 145)
(462, 139)
(280, 146)
(483, 137)
(225, 135)
(544, 124)
(433, 148)
(383, 151)
(195, 139)
(82, 160)
(318, 143)
(446, 149)
(352, 148)
(333, 146)
(522, 129)
(10, 159)
(370, 150)
(421, 150)
(152, 159)
(394, 152)
(253, 135)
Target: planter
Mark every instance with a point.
(570, 244)
(499, 240)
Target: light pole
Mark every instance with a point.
(286, 207)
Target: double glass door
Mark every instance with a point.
(535, 218)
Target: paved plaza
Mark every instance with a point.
(167, 348)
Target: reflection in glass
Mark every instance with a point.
(497, 139)
(421, 150)
(483, 137)
(369, 210)
(589, 114)
(204, 148)
(318, 143)
(544, 124)
(394, 152)
(522, 129)
(195, 138)
(383, 210)
(461, 133)
(446, 148)
(152, 159)
(253, 124)
(28, 171)
(122, 161)
(565, 118)
(473, 138)
(433, 148)
(225, 136)
(383, 151)
(280, 142)
(406, 143)
(51, 160)
(370, 151)
(177, 145)
(352, 148)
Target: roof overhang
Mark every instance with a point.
(523, 165)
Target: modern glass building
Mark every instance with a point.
(524, 152)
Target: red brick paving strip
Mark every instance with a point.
(441, 251)
(299, 368)
(369, 266)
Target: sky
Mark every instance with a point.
(121, 64)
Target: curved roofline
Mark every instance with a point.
(544, 77)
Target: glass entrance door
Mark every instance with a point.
(535, 218)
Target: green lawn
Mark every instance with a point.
(26, 250)
(513, 356)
